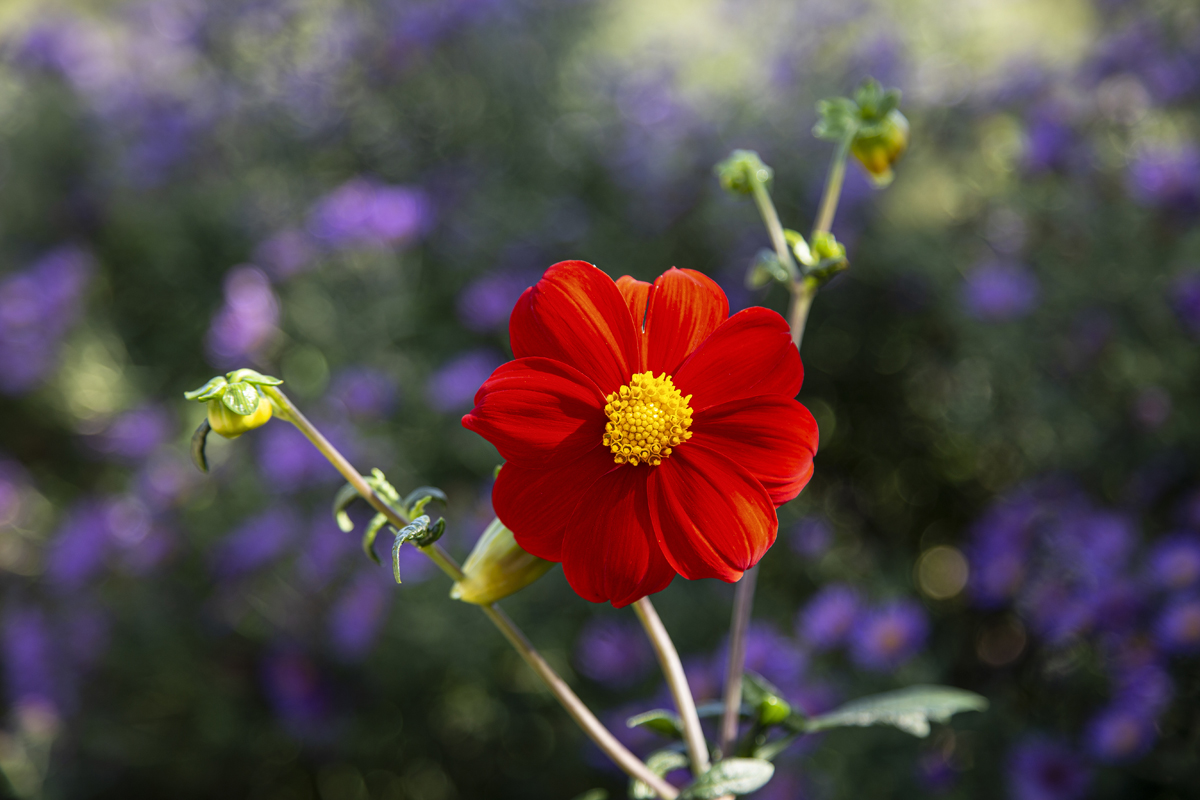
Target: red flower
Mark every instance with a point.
(645, 431)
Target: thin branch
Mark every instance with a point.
(743, 602)
(672, 667)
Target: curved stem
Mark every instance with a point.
(672, 667)
(586, 720)
(743, 602)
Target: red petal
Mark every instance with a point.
(610, 553)
(685, 307)
(535, 409)
(636, 294)
(773, 437)
(714, 520)
(749, 355)
(576, 314)
(535, 504)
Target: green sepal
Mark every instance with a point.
(241, 398)
(838, 118)
(771, 750)
(199, 441)
(252, 377)
(734, 776)
(660, 720)
(660, 763)
(208, 391)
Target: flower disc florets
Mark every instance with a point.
(646, 418)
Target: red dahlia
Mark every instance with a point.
(645, 431)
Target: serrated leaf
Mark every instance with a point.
(910, 709)
(341, 501)
(199, 442)
(240, 398)
(660, 763)
(731, 776)
(208, 391)
(252, 377)
(660, 720)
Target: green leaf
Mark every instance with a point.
(910, 709)
(799, 247)
(660, 720)
(208, 391)
(717, 709)
(341, 501)
(731, 776)
(593, 794)
(417, 532)
(770, 750)
(241, 398)
(252, 377)
(368, 540)
(660, 763)
(418, 498)
(199, 440)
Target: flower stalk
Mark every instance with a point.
(620, 755)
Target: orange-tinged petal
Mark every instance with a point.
(685, 307)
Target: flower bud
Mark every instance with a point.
(878, 146)
(231, 424)
(497, 567)
(741, 171)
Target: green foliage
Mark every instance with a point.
(736, 776)
(911, 709)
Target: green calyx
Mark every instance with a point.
(236, 402)
(742, 172)
(871, 123)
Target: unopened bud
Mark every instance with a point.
(879, 145)
(231, 424)
(497, 567)
(741, 171)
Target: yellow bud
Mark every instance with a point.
(882, 146)
(497, 567)
(232, 425)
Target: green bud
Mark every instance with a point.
(879, 145)
(800, 249)
(773, 710)
(497, 567)
(741, 171)
(231, 424)
(825, 246)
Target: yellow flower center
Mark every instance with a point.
(646, 418)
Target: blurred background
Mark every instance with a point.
(351, 194)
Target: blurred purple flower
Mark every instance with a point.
(1043, 769)
(365, 213)
(811, 537)
(255, 543)
(613, 652)
(1050, 140)
(485, 304)
(85, 633)
(79, 548)
(365, 392)
(885, 638)
(1174, 562)
(996, 291)
(289, 461)
(827, 619)
(453, 385)
(299, 695)
(134, 435)
(1178, 627)
(246, 324)
(31, 662)
(37, 306)
(359, 614)
(771, 654)
(1119, 733)
(1167, 177)
(285, 254)
(165, 479)
(1185, 300)
(326, 552)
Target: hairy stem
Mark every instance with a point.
(586, 720)
(743, 602)
(672, 667)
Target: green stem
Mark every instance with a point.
(743, 602)
(762, 198)
(833, 187)
(621, 756)
(672, 667)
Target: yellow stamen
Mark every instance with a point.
(646, 418)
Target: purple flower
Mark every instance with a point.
(326, 552)
(255, 543)
(454, 384)
(1042, 769)
(1167, 177)
(1178, 627)
(134, 435)
(1174, 561)
(246, 324)
(285, 254)
(486, 303)
(1050, 141)
(365, 392)
(829, 617)
(613, 652)
(80, 546)
(772, 655)
(887, 637)
(299, 695)
(1185, 300)
(364, 213)
(811, 537)
(165, 479)
(30, 660)
(289, 461)
(358, 615)
(997, 291)
(1119, 733)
